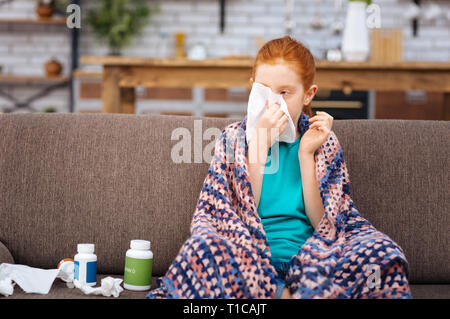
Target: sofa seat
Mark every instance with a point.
(59, 290)
(429, 291)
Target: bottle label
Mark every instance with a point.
(138, 272)
(86, 273)
(91, 271)
(76, 270)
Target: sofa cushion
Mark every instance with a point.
(430, 291)
(399, 172)
(59, 290)
(5, 255)
(98, 178)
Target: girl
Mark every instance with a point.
(295, 233)
(287, 213)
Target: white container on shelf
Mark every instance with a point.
(355, 40)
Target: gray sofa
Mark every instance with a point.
(109, 178)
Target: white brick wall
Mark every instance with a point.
(23, 49)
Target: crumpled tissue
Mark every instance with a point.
(110, 287)
(31, 280)
(259, 94)
(36, 280)
(66, 271)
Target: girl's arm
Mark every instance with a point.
(311, 196)
(315, 136)
(257, 156)
(270, 125)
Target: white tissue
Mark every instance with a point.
(66, 272)
(256, 105)
(6, 287)
(31, 280)
(36, 280)
(109, 287)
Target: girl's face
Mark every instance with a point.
(283, 80)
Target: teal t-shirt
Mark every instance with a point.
(281, 207)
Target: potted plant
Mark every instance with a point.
(50, 109)
(117, 22)
(44, 9)
(355, 40)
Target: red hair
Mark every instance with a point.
(293, 53)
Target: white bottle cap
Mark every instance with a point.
(86, 248)
(140, 244)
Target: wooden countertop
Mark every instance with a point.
(248, 63)
(140, 61)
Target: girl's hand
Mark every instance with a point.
(273, 122)
(317, 133)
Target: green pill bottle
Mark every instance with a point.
(138, 266)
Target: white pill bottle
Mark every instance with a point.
(138, 266)
(85, 265)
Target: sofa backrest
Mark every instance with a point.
(110, 178)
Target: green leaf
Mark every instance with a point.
(117, 22)
(366, 1)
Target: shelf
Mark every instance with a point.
(47, 84)
(61, 20)
(11, 78)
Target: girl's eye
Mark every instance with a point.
(283, 92)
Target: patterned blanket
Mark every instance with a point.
(227, 254)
